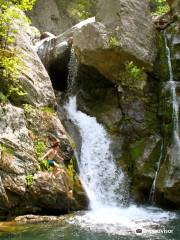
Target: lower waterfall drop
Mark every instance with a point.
(103, 182)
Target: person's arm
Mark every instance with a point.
(46, 155)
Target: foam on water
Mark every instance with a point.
(124, 221)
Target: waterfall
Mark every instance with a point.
(102, 180)
(175, 146)
(153, 187)
(72, 72)
(99, 174)
(106, 185)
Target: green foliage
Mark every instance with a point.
(6, 150)
(25, 5)
(3, 98)
(134, 71)
(78, 9)
(9, 62)
(40, 148)
(113, 42)
(44, 166)
(70, 170)
(159, 7)
(27, 108)
(137, 149)
(49, 110)
(81, 9)
(29, 180)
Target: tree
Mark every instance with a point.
(9, 62)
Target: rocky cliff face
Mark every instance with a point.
(168, 183)
(27, 130)
(117, 54)
(56, 16)
(115, 36)
(51, 17)
(118, 82)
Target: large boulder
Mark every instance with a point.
(51, 17)
(32, 75)
(57, 16)
(55, 54)
(53, 48)
(123, 32)
(25, 136)
(26, 133)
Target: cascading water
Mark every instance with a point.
(102, 180)
(175, 146)
(153, 188)
(106, 186)
(99, 174)
(175, 106)
(72, 72)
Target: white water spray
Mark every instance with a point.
(99, 174)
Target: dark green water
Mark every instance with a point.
(67, 231)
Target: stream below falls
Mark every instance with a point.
(98, 226)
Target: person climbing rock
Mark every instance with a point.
(53, 156)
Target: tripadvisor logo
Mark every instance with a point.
(139, 230)
(154, 231)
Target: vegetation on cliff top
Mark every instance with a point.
(9, 63)
(159, 7)
(78, 9)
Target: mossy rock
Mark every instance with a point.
(161, 69)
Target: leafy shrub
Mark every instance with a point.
(27, 108)
(159, 7)
(9, 62)
(44, 166)
(133, 71)
(70, 170)
(6, 150)
(40, 148)
(113, 42)
(29, 180)
(78, 9)
(49, 110)
(3, 98)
